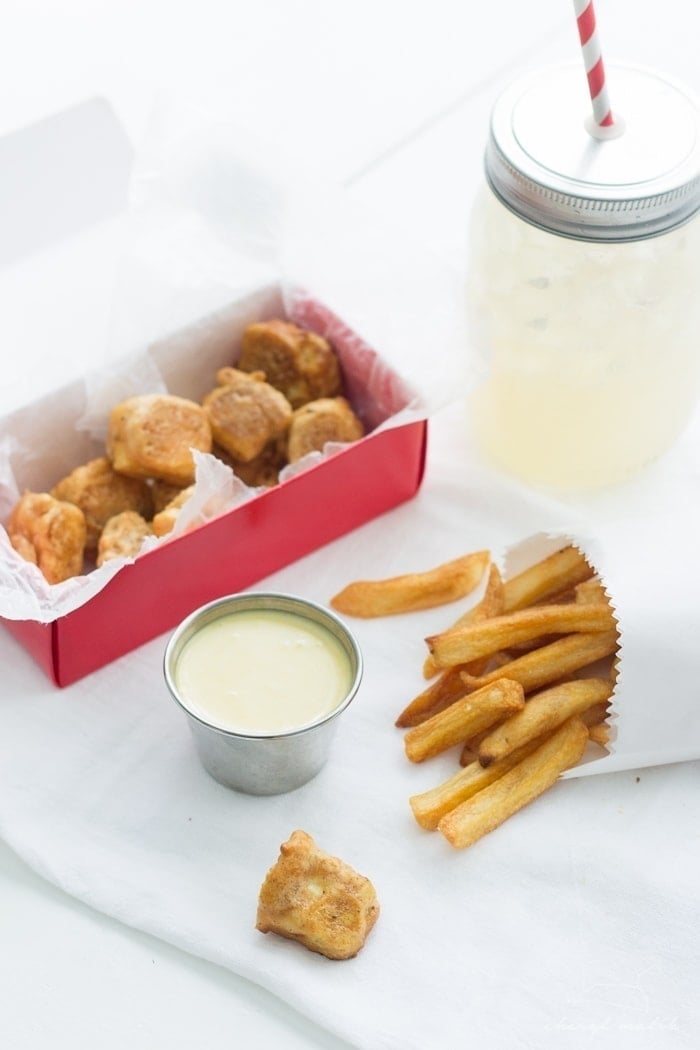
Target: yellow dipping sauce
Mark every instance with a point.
(262, 671)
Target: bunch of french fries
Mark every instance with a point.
(521, 682)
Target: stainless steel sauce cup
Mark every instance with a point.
(261, 764)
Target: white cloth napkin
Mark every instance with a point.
(574, 924)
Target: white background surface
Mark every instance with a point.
(390, 99)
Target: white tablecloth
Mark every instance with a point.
(579, 913)
(574, 925)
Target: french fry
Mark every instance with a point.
(526, 647)
(550, 663)
(595, 714)
(464, 718)
(532, 776)
(470, 750)
(599, 734)
(592, 716)
(460, 645)
(507, 686)
(558, 572)
(430, 806)
(443, 692)
(491, 604)
(591, 591)
(421, 590)
(541, 714)
(559, 598)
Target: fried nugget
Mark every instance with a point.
(50, 533)
(122, 536)
(24, 547)
(319, 900)
(301, 364)
(101, 492)
(164, 521)
(163, 493)
(326, 419)
(152, 435)
(261, 472)
(245, 413)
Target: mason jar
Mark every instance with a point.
(583, 277)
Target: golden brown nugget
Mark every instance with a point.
(299, 363)
(464, 719)
(164, 521)
(245, 414)
(316, 899)
(153, 435)
(24, 547)
(261, 472)
(163, 493)
(50, 533)
(122, 536)
(531, 777)
(320, 421)
(413, 591)
(101, 492)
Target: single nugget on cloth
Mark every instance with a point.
(245, 413)
(319, 900)
(50, 533)
(122, 536)
(152, 436)
(326, 419)
(301, 364)
(101, 492)
(164, 521)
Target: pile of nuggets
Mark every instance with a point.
(282, 401)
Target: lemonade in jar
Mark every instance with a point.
(584, 278)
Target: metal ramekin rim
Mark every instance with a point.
(282, 601)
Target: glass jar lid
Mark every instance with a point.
(548, 162)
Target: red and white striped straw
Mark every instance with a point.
(593, 62)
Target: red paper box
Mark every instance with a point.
(153, 593)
